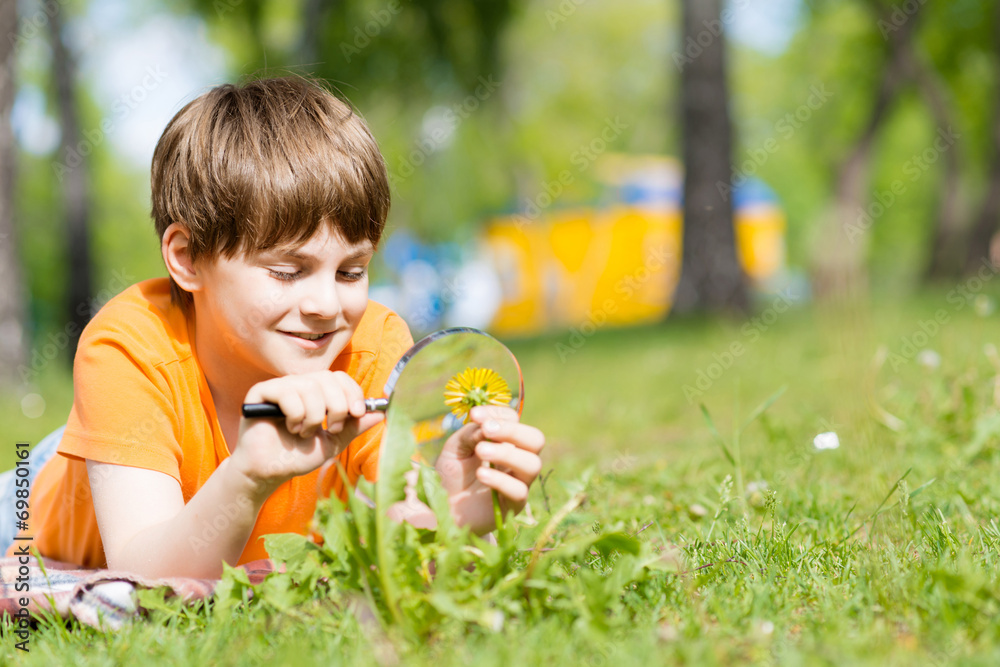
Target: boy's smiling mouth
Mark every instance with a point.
(309, 336)
(310, 339)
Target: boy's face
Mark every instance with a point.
(287, 310)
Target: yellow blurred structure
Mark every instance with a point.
(760, 240)
(617, 265)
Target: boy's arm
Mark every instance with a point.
(146, 528)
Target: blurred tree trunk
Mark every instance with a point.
(72, 175)
(989, 211)
(946, 249)
(839, 264)
(12, 310)
(313, 18)
(711, 275)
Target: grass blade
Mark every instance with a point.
(878, 509)
(763, 407)
(718, 436)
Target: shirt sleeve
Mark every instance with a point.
(122, 411)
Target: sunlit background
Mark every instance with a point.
(534, 147)
(564, 72)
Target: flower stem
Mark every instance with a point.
(497, 514)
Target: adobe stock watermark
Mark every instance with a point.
(452, 289)
(562, 13)
(785, 127)
(959, 297)
(210, 530)
(914, 168)
(898, 17)
(120, 109)
(750, 333)
(44, 353)
(30, 25)
(363, 35)
(713, 29)
(623, 464)
(139, 434)
(223, 7)
(658, 258)
(582, 158)
(239, 509)
(263, 313)
(607, 652)
(442, 132)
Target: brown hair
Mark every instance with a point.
(249, 167)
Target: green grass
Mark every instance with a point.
(881, 552)
(55, 385)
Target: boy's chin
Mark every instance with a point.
(303, 367)
(289, 360)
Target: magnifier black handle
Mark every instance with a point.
(251, 410)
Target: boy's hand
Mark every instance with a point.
(493, 435)
(272, 451)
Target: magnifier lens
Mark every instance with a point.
(418, 395)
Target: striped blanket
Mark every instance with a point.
(98, 598)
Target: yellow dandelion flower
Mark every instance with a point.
(472, 387)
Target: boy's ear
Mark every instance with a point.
(175, 247)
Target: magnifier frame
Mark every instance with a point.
(264, 410)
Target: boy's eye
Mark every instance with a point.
(353, 276)
(284, 275)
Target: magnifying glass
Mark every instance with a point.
(417, 385)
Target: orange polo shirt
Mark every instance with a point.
(141, 399)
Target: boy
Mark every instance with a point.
(269, 199)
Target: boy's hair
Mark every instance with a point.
(249, 167)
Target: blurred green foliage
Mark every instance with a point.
(559, 71)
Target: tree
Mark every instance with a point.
(398, 58)
(313, 15)
(711, 276)
(418, 41)
(988, 217)
(946, 241)
(72, 175)
(839, 267)
(12, 310)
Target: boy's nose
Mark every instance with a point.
(321, 299)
